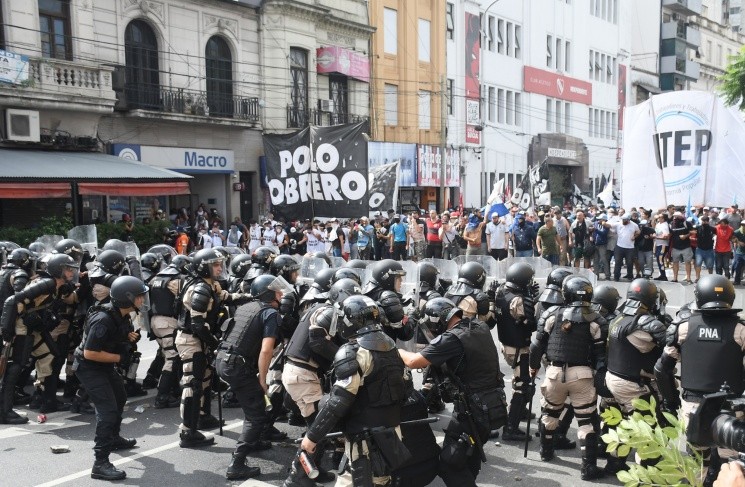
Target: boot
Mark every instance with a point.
(238, 470)
(297, 477)
(20, 397)
(51, 404)
(120, 443)
(150, 382)
(561, 442)
(295, 419)
(104, 470)
(36, 400)
(166, 401)
(271, 433)
(12, 417)
(194, 439)
(134, 389)
(589, 448)
(615, 465)
(208, 422)
(547, 443)
(71, 387)
(165, 384)
(512, 430)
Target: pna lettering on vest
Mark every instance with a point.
(708, 334)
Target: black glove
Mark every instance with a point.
(125, 356)
(535, 289)
(237, 299)
(492, 291)
(600, 388)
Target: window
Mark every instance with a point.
(490, 33)
(2, 28)
(450, 96)
(54, 26)
(567, 116)
(549, 51)
(492, 103)
(425, 104)
(518, 109)
(709, 51)
(500, 36)
(391, 104)
(299, 113)
(502, 106)
(339, 94)
(503, 37)
(509, 48)
(605, 9)
(449, 20)
(142, 75)
(559, 58)
(219, 63)
(567, 51)
(424, 40)
(510, 108)
(549, 115)
(602, 124)
(719, 54)
(559, 118)
(390, 31)
(518, 36)
(590, 125)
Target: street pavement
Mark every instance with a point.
(27, 460)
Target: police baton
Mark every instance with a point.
(339, 434)
(530, 413)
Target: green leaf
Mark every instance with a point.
(652, 404)
(671, 419)
(624, 450)
(671, 433)
(612, 436)
(625, 477)
(612, 446)
(641, 405)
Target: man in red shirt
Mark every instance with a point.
(723, 247)
(434, 242)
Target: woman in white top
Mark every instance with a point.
(267, 238)
(254, 237)
(315, 241)
(661, 241)
(281, 240)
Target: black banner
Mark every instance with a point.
(384, 187)
(534, 188)
(318, 172)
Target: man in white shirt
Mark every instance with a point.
(626, 232)
(268, 236)
(496, 240)
(254, 235)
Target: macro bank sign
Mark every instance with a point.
(181, 159)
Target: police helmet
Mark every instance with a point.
(112, 244)
(263, 256)
(58, 263)
(386, 271)
(642, 292)
(23, 258)
(473, 274)
(69, 247)
(322, 282)
(355, 264)
(37, 248)
(438, 313)
(151, 262)
(519, 276)
(347, 273)
(125, 289)
(714, 293)
(182, 263)
(361, 315)
(324, 256)
(342, 289)
(240, 265)
(577, 291)
(112, 262)
(556, 278)
(264, 287)
(605, 298)
(285, 266)
(427, 276)
(203, 260)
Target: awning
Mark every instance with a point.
(650, 88)
(134, 189)
(36, 190)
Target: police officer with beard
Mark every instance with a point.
(464, 347)
(710, 346)
(367, 394)
(635, 342)
(467, 293)
(515, 304)
(384, 288)
(242, 361)
(572, 340)
(107, 340)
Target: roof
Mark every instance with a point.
(18, 165)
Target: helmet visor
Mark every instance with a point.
(279, 284)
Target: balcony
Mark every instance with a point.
(165, 100)
(298, 118)
(682, 32)
(679, 66)
(60, 84)
(684, 7)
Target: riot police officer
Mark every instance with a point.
(465, 348)
(261, 260)
(468, 294)
(710, 346)
(635, 342)
(428, 286)
(368, 393)
(239, 266)
(515, 305)
(150, 264)
(384, 287)
(288, 268)
(347, 273)
(106, 341)
(27, 318)
(318, 291)
(572, 341)
(242, 361)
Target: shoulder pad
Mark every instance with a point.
(459, 289)
(389, 298)
(323, 317)
(432, 295)
(38, 287)
(671, 335)
(20, 279)
(376, 341)
(169, 271)
(345, 361)
(201, 297)
(654, 327)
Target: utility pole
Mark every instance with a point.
(443, 142)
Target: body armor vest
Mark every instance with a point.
(481, 357)
(570, 342)
(239, 340)
(117, 326)
(6, 288)
(299, 345)
(511, 333)
(624, 359)
(184, 316)
(379, 400)
(162, 300)
(710, 355)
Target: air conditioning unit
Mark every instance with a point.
(22, 125)
(327, 106)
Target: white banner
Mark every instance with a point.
(682, 146)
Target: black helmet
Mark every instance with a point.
(284, 265)
(264, 287)
(605, 298)
(427, 276)
(556, 278)
(111, 261)
(37, 248)
(347, 273)
(520, 275)
(577, 291)
(240, 265)
(641, 292)
(361, 314)
(264, 256)
(112, 244)
(438, 312)
(58, 263)
(324, 256)
(69, 247)
(355, 264)
(473, 274)
(201, 264)
(342, 289)
(322, 282)
(714, 293)
(23, 258)
(181, 262)
(125, 289)
(151, 262)
(385, 273)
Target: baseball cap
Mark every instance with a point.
(677, 214)
(643, 222)
(603, 217)
(626, 216)
(521, 216)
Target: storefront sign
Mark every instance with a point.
(13, 68)
(185, 160)
(556, 85)
(563, 153)
(429, 161)
(472, 58)
(335, 59)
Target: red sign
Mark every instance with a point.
(335, 59)
(556, 85)
(472, 64)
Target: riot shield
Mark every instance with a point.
(448, 269)
(87, 236)
(166, 252)
(232, 252)
(337, 261)
(309, 267)
(48, 241)
(410, 282)
(132, 252)
(490, 265)
(6, 247)
(676, 295)
(541, 266)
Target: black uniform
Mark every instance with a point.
(469, 353)
(390, 303)
(473, 301)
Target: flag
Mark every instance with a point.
(507, 193)
(606, 195)
(540, 185)
(579, 198)
(603, 182)
(497, 193)
(689, 211)
(498, 208)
